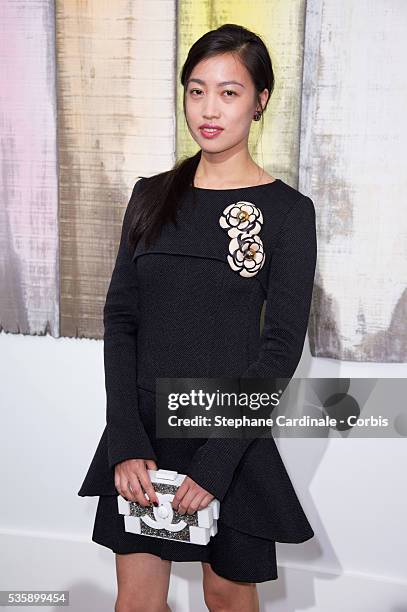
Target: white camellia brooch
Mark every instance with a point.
(243, 221)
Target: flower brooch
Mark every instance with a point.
(243, 222)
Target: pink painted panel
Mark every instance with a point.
(29, 267)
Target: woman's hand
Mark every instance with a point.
(190, 497)
(133, 473)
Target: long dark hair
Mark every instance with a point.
(161, 194)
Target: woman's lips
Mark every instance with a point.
(207, 133)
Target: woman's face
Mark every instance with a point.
(220, 92)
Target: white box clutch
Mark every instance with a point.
(165, 522)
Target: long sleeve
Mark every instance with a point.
(289, 293)
(126, 436)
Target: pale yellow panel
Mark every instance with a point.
(281, 25)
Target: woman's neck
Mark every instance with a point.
(252, 175)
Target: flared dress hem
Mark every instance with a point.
(232, 554)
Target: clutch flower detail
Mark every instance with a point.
(243, 222)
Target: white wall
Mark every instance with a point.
(53, 411)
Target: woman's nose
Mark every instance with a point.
(210, 107)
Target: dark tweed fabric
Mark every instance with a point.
(177, 309)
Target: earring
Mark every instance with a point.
(257, 116)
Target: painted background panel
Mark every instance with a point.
(353, 136)
(115, 122)
(281, 25)
(29, 266)
(76, 134)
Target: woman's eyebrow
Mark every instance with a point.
(201, 82)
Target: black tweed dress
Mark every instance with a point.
(181, 308)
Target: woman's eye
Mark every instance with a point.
(228, 91)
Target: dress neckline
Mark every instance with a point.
(227, 190)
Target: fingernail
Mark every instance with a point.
(155, 504)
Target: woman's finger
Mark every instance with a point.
(147, 485)
(181, 491)
(205, 501)
(195, 503)
(185, 503)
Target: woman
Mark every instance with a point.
(185, 300)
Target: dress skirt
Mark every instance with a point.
(232, 554)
